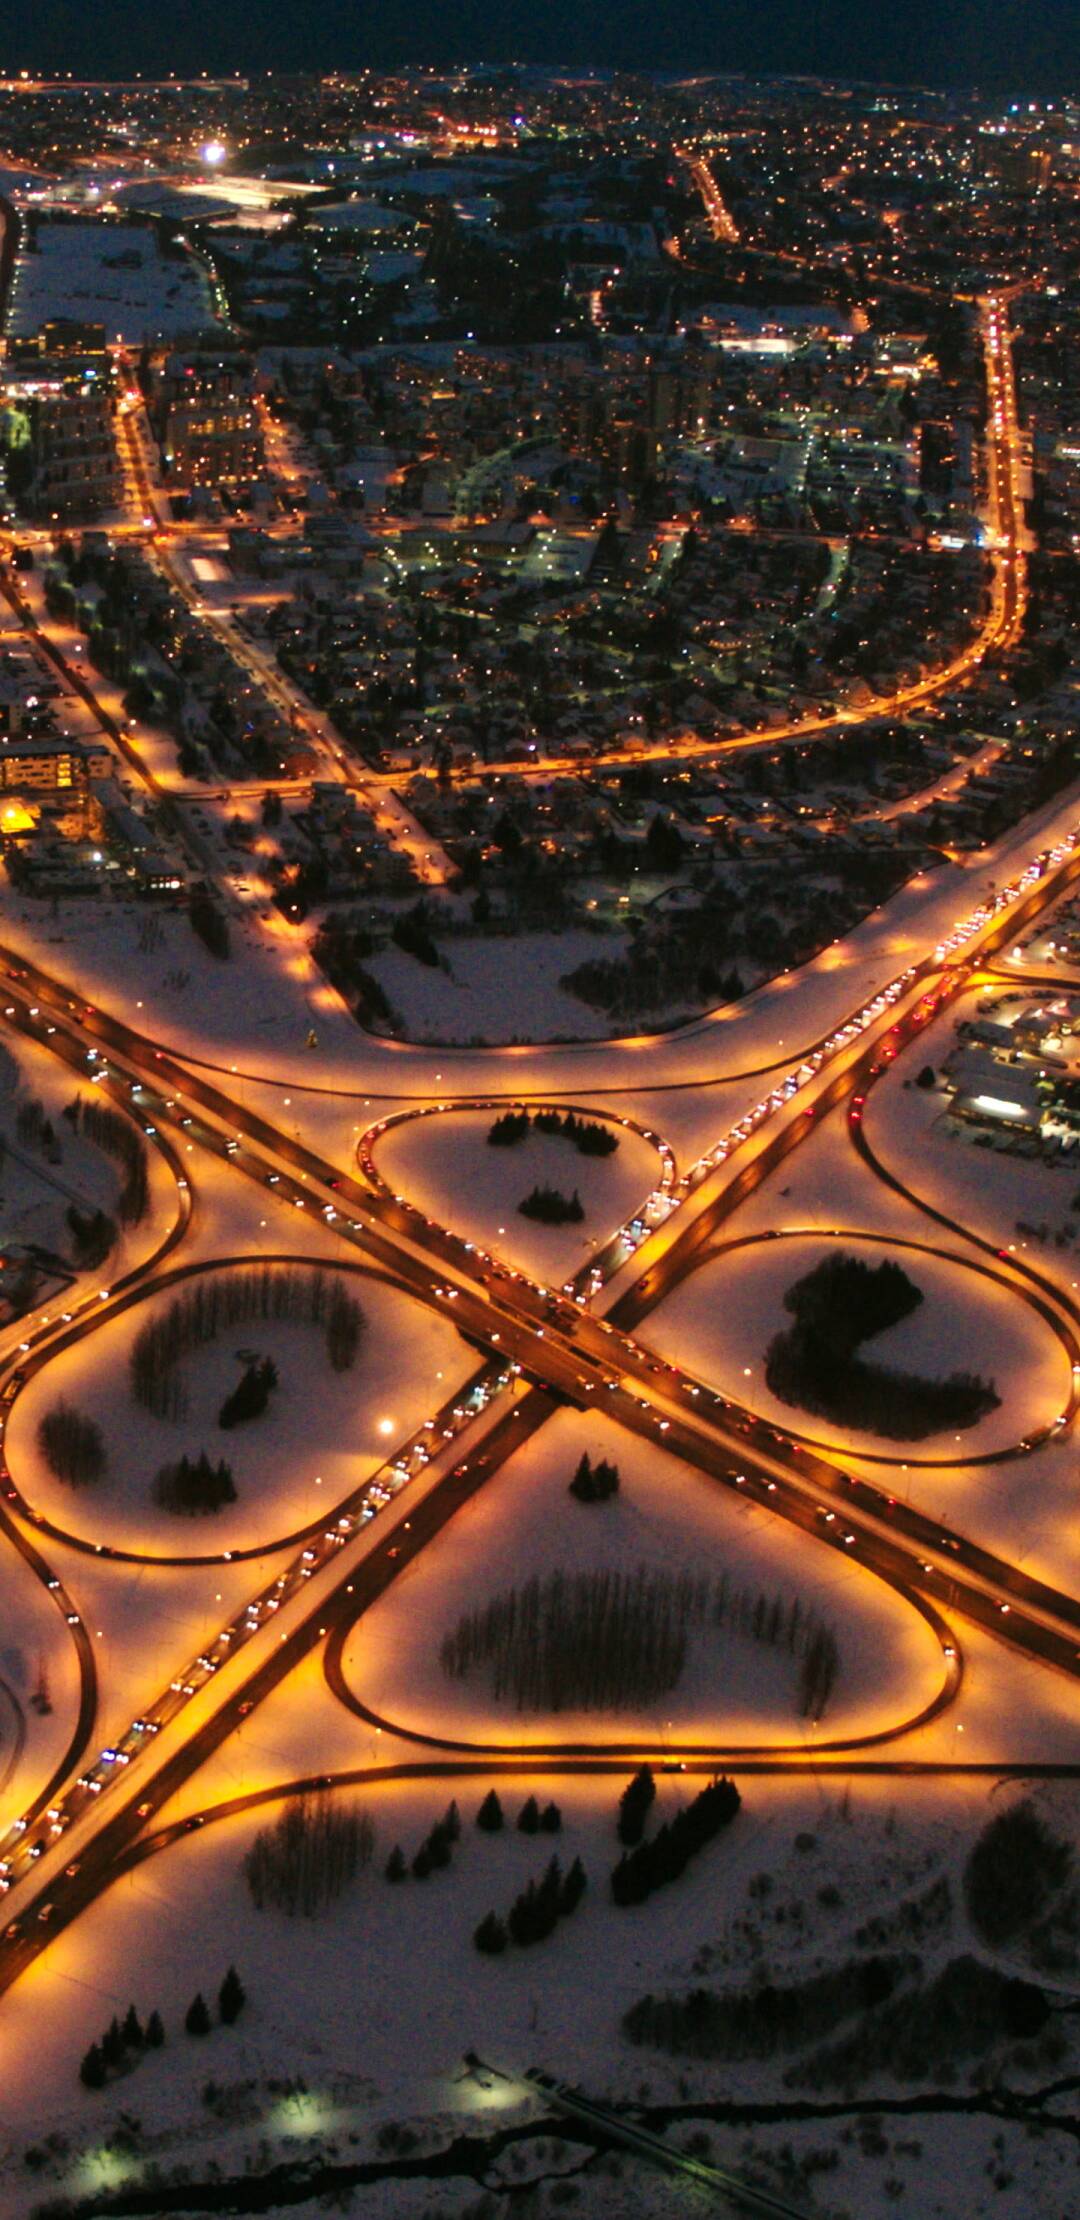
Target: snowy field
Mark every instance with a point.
(721, 1320)
(496, 990)
(665, 1517)
(111, 274)
(372, 2006)
(444, 1165)
(324, 1430)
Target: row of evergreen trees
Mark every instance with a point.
(125, 2041)
(224, 1299)
(309, 1856)
(72, 1446)
(111, 1131)
(435, 1850)
(666, 1855)
(194, 1486)
(535, 1913)
(434, 1853)
(549, 1207)
(589, 1138)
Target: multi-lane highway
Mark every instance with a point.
(535, 1346)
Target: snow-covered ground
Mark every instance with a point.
(111, 274)
(496, 989)
(324, 1430)
(664, 1517)
(444, 1165)
(385, 2042)
(721, 1320)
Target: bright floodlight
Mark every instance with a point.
(213, 153)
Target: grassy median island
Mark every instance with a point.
(814, 1363)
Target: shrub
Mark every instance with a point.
(1014, 1869)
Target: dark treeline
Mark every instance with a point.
(222, 1299)
(666, 1855)
(194, 1486)
(111, 1131)
(594, 1641)
(309, 1857)
(760, 2021)
(813, 1365)
(72, 1446)
(588, 1137)
(552, 1208)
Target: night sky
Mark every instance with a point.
(1006, 45)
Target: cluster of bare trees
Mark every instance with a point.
(111, 1131)
(600, 1640)
(310, 1856)
(72, 1446)
(224, 1299)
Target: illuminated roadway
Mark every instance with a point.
(527, 1335)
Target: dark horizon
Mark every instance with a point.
(1019, 47)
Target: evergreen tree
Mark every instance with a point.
(634, 1805)
(421, 1864)
(92, 2069)
(490, 1936)
(551, 1820)
(132, 2030)
(232, 1997)
(529, 1817)
(451, 1823)
(395, 1864)
(155, 2032)
(197, 2017)
(112, 2044)
(490, 1815)
(573, 1889)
